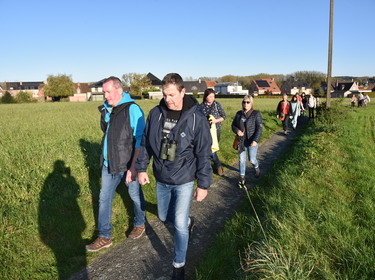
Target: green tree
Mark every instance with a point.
(24, 97)
(138, 83)
(7, 98)
(228, 78)
(59, 86)
(313, 78)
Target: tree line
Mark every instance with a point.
(62, 86)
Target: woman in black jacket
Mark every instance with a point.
(247, 124)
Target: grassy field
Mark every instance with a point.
(50, 183)
(316, 209)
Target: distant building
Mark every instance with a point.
(230, 88)
(342, 89)
(83, 93)
(195, 87)
(264, 86)
(35, 88)
(155, 81)
(293, 87)
(211, 84)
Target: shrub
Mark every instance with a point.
(7, 98)
(24, 97)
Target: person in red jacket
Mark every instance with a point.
(283, 111)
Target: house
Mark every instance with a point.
(83, 93)
(293, 87)
(155, 81)
(35, 88)
(264, 86)
(97, 91)
(210, 84)
(195, 87)
(368, 87)
(344, 89)
(229, 88)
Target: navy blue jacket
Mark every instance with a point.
(253, 127)
(193, 153)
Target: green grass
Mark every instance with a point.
(316, 205)
(50, 183)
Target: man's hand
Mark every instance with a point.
(143, 178)
(130, 175)
(200, 194)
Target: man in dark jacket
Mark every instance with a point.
(177, 136)
(122, 122)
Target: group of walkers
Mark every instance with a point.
(362, 100)
(181, 137)
(295, 108)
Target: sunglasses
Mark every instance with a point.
(246, 102)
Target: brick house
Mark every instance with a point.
(264, 86)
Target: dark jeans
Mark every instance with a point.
(311, 113)
(216, 160)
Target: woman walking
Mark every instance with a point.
(215, 115)
(296, 111)
(283, 111)
(247, 125)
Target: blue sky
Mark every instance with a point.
(90, 40)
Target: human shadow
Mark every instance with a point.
(60, 220)
(91, 153)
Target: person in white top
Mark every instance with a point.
(311, 103)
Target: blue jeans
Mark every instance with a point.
(179, 196)
(107, 193)
(252, 155)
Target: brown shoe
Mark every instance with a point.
(98, 244)
(220, 171)
(137, 232)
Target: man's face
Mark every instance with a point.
(111, 94)
(172, 97)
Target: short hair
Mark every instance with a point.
(207, 92)
(116, 82)
(174, 79)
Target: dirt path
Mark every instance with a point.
(150, 257)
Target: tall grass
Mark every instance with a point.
(50, 183)
(317, 206)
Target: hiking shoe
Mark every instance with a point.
(178, 273)
(257, 172)
(98, 244)
(220, 171)
(137, 232)
(191, 226)
(241, 182)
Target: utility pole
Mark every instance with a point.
(329, 74)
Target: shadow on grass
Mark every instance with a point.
(60, 220)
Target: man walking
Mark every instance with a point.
(177, 136)
(122, 122)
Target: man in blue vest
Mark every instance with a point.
(177, 136)
(122, 122)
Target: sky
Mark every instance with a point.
(90, 39)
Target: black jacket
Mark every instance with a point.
(253, 126)
(193, 152)
(120, 140)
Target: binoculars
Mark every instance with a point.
(168, 149)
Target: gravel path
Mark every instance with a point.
(150, 257)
